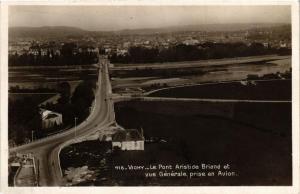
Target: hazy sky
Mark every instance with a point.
(132, 17)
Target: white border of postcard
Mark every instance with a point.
(138, 190)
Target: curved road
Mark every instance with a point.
(201, 63)
(46, 150)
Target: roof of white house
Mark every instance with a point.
(128, 135)
(47, 114)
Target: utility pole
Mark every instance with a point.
(38, 172)
(32, 135)
(75, 120)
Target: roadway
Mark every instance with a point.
(47, 150)
(160, 99)
(200, 63)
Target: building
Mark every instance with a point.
(50, 118)
(122, 52)
(191, 42)
(128, 140)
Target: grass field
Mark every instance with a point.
(260, 90)
(255, 140)
(37, 98)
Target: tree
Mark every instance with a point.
(64, 90)
(82, 99)
(67, 49)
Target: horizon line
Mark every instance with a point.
(149, 28)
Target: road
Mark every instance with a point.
(146, 95)
(200, 63)
(160, 99)
(47, 150)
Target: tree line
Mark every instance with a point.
(208, 50)
(74, 105)
(67, 55)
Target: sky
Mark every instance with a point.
(135, 17)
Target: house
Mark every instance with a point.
(130, 139)
(44, 51)
(50, 118)
(283, 44)
(122, 52)
(266, 44)
(191, 42)
(34, 50)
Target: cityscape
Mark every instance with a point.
(180, 102)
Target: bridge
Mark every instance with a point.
(46, 151)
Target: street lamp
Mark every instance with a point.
(75, 120)
(32, 135)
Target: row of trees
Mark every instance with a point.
(206, 50)
(17, 89)
(68, 55)
(23, 117)
(285, 75)
(55, 59)
(76, 105)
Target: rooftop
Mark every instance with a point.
(128, 135)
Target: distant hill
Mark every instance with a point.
(45, 31)
(203, 27)
(65, 31)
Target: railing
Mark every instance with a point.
(17, 173)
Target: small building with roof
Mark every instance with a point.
(130, 139)
(50, 118)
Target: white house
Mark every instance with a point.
(191, 42)
(128, 140)
(50, 118)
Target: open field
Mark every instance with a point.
(258, 90)
(49, 76)
(255, 139)
(48, 84)
(37, 98)
(44, 75)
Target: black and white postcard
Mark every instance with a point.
(132, 97)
